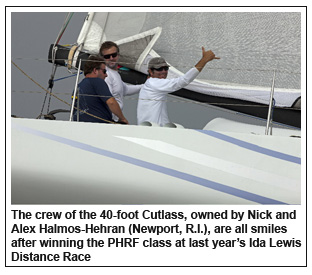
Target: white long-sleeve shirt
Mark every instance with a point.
(118, 88)
(152, 105)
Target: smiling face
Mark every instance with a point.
(111, 57)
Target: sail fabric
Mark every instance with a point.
(101, 26)
(283, 97)
(135, 49)
(134, 46)
(251, 45)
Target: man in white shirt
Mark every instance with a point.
(110, 51)
(152, 106)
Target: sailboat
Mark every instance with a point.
(226, 162)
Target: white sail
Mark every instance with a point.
(134, 46)
(251, 46)
(101, 26)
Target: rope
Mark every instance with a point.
(48, 92)
(180, 101)
(189, 66)
(66, 22)
(66, 77)
(184, 101)
(167, 100)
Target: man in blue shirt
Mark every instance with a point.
(96, 103)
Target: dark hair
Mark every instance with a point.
(107, 45)
(93, 62)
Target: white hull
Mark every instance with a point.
(59, 162)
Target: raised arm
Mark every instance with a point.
(207, 56)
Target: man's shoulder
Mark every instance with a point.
(97, 81)
(92, 80)
(98, 84)
(156, 80)
(153, 81)
(112, 74)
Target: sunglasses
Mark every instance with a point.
(161, 69)
(107, 56)
(103, 70)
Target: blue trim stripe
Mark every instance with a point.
(154, 167)
(252, 147)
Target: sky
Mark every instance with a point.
(32, 33)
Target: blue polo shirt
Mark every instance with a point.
(93, 94)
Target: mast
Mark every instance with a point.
(270, 112)
(53, 54)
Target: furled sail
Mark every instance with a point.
(101, 26)
(134, 45)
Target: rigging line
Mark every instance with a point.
(186, 66)
(66, 22)
(49, 102)
(50, 87)
(67, 77)
(171, 101)
(45, 97)
(226, 53)
(58, 97)
(51, 83)
(54, 67)
(223, 53)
